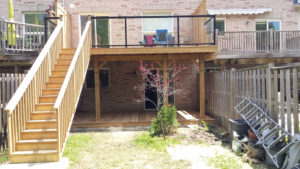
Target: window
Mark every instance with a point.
(103, 77)
(220, 25)
(150, 25)
(267, 25)
(34, 18)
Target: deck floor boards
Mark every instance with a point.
(126, 118)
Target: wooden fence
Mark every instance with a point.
(274, 89)
(8, 85)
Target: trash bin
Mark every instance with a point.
(239, 127)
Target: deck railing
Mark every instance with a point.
(18, 37)
(248, 42)
(23, 101)
(68, 97)
(153, 31)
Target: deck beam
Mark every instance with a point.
(202, 88)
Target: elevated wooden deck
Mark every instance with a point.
(130, 119)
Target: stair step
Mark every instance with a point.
(57, 78)
(64, 61)
(33, 156)
(43, 115)
(41, 144)
(60, 72)
(50, 91)
(62, 66)
(35, 134)
(68, 51)
(48, 99)
(53, 85)
(41, 124)
(44, 106)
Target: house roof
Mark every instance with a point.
(254, 11)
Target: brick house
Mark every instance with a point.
(96, 77)
(117, 95)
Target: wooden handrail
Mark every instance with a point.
(30, 75)
(22, 104)
(25, 24)
(67, 99)
(72, 67)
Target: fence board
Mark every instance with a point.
(274, 89)
(8, 85)
(288, 100)
(295, 101)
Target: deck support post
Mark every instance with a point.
(202, 88)
(165, 78)
(97, 88)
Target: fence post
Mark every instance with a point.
(232, 88)
(269, 90)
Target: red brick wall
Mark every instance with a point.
(121, 94)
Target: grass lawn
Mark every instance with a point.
(116, 150)
(3, 156)
(136, 149)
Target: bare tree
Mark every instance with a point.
(152, 78)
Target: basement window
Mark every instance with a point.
(103, 77)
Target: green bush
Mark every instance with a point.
(165, 123)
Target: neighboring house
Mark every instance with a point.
(29, 12)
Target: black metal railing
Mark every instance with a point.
(152, 31)
(50, 24)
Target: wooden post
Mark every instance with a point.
(270, 90)
(97, 88)
(202, 88)
(165, 77)
(16, 68)
(232, 88)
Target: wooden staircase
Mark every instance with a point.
(40, 113)
(38, 142)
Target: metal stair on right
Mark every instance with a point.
(268, 132)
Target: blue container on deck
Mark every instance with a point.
(239, 127)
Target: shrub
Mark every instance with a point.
(165, 123)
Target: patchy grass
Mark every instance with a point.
(224, 161)
(76, 143)
(3, 156)
(119, 149)
(145, 140)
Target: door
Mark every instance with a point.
(150, 95)
(100, 31)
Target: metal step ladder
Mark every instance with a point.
(268, 132)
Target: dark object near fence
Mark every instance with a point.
(8, 85)
(239, 127)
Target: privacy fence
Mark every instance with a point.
(275, 89)
(8, 85)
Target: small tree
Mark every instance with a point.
(155, 80)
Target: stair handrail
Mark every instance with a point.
(34, 68)
(70, 90)
(26, 96)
